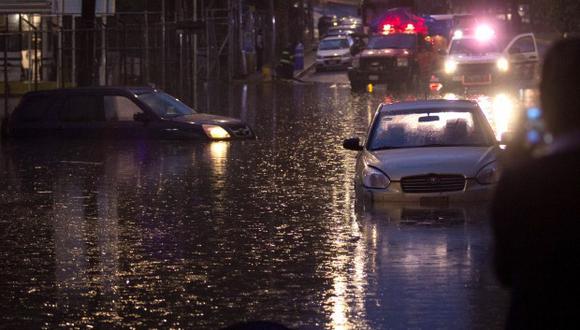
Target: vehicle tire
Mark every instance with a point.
(357, 87)
(396, 87)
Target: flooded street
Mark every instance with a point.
(203, 235)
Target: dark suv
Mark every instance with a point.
(117, 112)
(396, 59)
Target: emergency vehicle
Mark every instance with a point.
(398, 54)
(480, 59)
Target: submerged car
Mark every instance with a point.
(117, 113)
(435, 151)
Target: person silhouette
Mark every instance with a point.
(536, 209)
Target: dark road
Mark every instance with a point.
(143, 234)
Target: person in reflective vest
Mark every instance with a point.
(286, 65)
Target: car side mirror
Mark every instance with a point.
(142, 117)
(352, 144)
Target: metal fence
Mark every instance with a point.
(177, 52)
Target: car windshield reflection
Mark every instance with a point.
(395, 130)
(165, 105)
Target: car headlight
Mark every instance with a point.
(373, 178)
(402, 61)
(215, 132)
(450, 66)
(502, 64)
(488, 174)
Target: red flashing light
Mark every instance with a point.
(388, 28)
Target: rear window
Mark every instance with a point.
(82, 108)
(33, 108)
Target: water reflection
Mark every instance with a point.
(202, 235)
(432, 266)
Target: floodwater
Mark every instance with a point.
(203, 235)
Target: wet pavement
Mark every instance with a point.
(202, 235)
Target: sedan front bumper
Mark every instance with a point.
(335, 62)
(473, 192)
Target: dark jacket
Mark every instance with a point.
(536, 223)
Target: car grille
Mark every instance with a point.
(377, 64)
(478, 68)
(433, 183)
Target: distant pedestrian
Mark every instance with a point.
(536, 211)
(286, 66)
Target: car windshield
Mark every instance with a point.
(329, 44)
(399, 41)
(438, 128)
(473, 47)
(165, 105)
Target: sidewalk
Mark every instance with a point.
(309, 63)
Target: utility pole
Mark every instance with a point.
(86, 67)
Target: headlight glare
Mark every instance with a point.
(503, 64)
(450, 66)
(215, 132)
(375, 179)
(488, 174)
(402, 61)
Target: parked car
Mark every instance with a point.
(117, 113)
(480, 60)
(334, 52)
(427, 151)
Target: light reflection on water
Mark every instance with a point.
(201, 235)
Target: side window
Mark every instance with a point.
(81, 108)
(523, 45)
(33, 108)
(120, 108)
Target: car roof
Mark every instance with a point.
(429, 104)
(98, 89)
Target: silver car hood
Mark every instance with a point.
(399, 163)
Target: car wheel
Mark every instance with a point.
(357, 87)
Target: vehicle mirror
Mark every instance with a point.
(352, 144)
(428, 119)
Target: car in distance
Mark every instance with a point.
(480, 60)
(392, 59)
(117, 113)
(334, 53)
(427, 151)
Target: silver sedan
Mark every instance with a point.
(427, 151)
